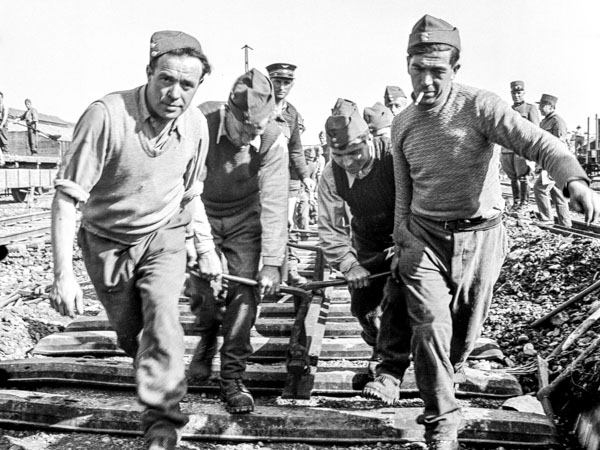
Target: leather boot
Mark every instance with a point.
(238, 399)
(385, 388)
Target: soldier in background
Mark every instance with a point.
(545, 187)
(394, 99)
(517, 168)
(282, 76)
(379, 118)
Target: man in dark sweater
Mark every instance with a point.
(361, 175)
(246, 170)
(450, 241)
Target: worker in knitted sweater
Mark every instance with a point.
(449, 239)
(246, 203)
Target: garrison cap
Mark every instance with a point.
(392, 93)
(345, 124)
(550, 99)
(378, 116)
(166, 41)
(251, 98)
(281, 70)
(517, 86)
(431, 30)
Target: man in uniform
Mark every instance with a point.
(31, 118)
(394, 99)
(282, 76)
(545, 187)
(361, 175)
(133, 167)
(450, 241)
(379, 118)
(516, 167)
(246, 168)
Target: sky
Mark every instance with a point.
(64, 54)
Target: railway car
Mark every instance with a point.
(25, 174)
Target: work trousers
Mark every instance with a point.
(449, 276)
(32, 137)
(516, 170)
(238, 239)
(545, 188)
(139, 286)
(380, 309)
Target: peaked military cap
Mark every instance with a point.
(251, 98)
(281, 70)
(392, 93)
(517, 86)
(166, 41)
(431, 30)
(550, 99)
(378, 116)
(345, 124)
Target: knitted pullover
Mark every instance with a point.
(445, 162)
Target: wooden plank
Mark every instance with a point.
(259, 377)
(209, 420)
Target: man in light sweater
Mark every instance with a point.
(450, 241)
(133, 166)
(245, 195)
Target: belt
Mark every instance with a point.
(473, 224)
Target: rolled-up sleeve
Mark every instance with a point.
(273, 181)
(334, 233)
(82, 165)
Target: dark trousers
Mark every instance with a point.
(449, 278)
(516, 170)
(238, 239)
(139, 286)
(380, 309)
(32, 137)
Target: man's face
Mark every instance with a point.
(545, 108)
(432, 74)
(172, 85)
(242, 133)
(354, 157)
(28, 104)
(322, 139)
(518, 96)
(396, 105)
(282, 87)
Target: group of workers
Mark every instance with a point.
(31, 119)
(164, 189)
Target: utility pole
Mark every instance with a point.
(246, 48)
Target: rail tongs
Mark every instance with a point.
(297, 359)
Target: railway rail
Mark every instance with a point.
(307, 371)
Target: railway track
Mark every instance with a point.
(307, 390)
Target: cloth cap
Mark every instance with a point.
(166, 41)
(392, 93)
(550, 99)
(251, 98)
(431, 30)
(281, 70)
(517, 86)
(345, 124)
(378, 116)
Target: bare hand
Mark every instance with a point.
(309, 184)
(66, 296)
(209, 265)
(584, 200)
(357, 277)
(269, 279)
(395, 268)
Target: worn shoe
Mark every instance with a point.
(238, 399)
(385, 388)
(443, 445)
(201, 365)
(162, 443)
(295, 279)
